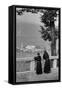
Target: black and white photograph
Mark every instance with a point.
(37, 44)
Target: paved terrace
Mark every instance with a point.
(25, 70)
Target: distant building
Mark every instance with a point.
(21, 46)
(30, 47)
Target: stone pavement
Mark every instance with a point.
(32, 76)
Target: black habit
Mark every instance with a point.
(47, 67)
(38, 65)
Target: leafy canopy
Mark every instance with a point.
(49, 16)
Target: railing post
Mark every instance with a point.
(32, 65)
(55, 63)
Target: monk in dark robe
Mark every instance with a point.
(38, 64)
(47, 67)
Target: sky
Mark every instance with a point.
(27, 30)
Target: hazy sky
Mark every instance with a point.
(27, 30)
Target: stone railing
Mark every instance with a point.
(54, 61)
(28, 64)
(25, 64)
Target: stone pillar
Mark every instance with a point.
(32, 65)
(55, 63)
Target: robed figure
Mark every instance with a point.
(47, 67)
(38, 64)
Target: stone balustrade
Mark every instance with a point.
(28, 64)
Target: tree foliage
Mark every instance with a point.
(48, 18)
(32, 10)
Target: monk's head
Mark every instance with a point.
(38, 54)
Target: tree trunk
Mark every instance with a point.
(53, 48)
(53, 42)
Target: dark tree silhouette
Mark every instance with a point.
(48, 31)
